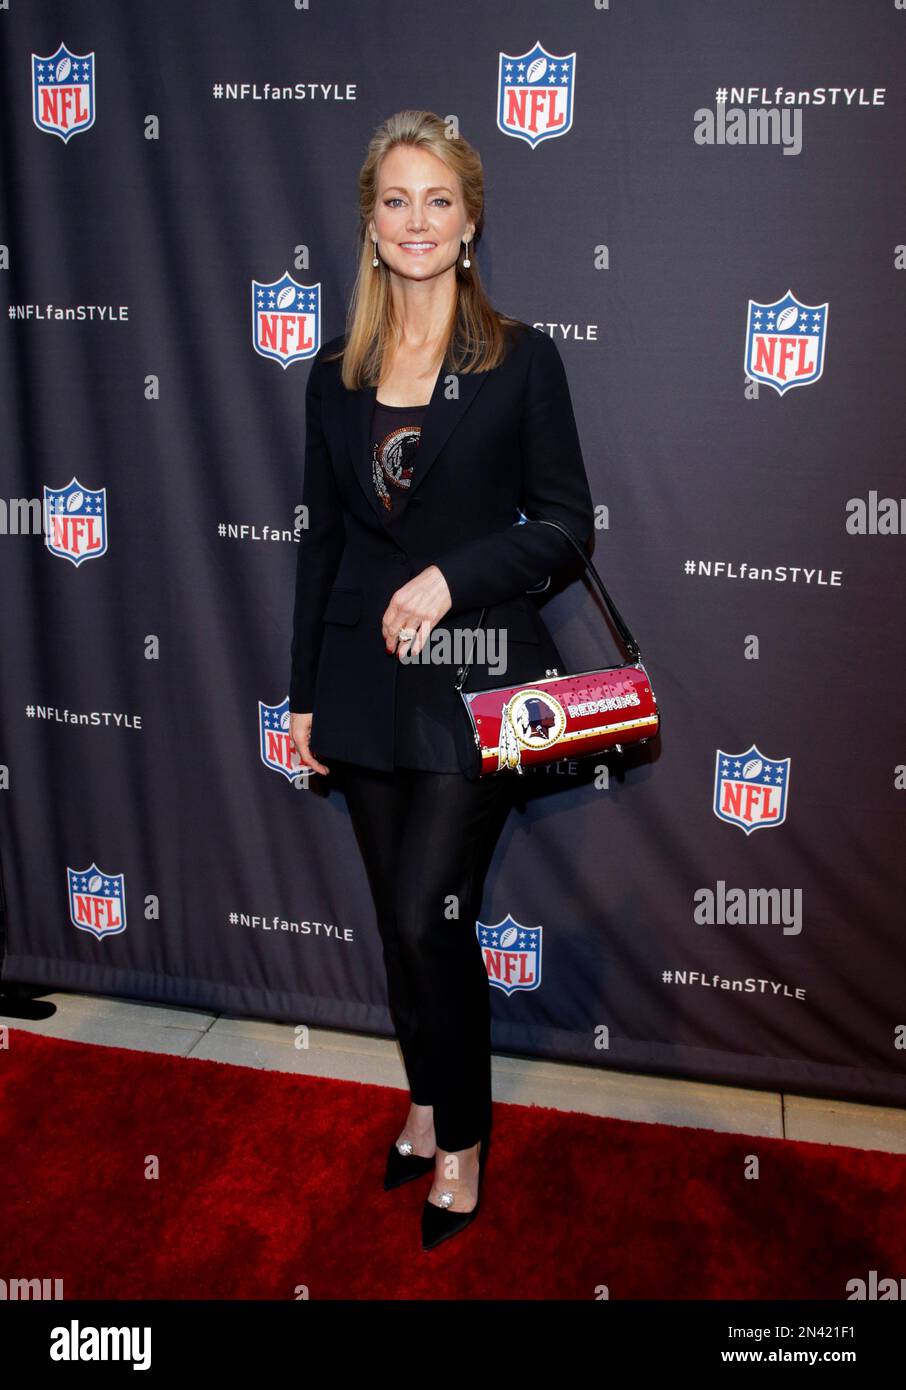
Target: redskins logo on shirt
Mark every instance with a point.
(393, 461)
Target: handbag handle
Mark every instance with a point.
(619, 622)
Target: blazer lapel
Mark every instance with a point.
(438, 422)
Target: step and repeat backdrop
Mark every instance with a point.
(704, 206)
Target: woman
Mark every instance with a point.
(437, 430)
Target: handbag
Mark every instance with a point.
(562, 716)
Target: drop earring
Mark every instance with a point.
(375, 260)
(466, 262)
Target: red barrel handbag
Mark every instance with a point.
(568, 716)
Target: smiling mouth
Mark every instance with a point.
(418, 247)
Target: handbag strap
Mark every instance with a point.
(619, 622)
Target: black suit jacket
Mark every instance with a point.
(505, 441)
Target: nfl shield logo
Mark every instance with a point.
(97, 901)
(535, 94)
(63, 92)
(277, 748)
(785, 342)
(75, 521)
(512, 954)
(286, 319)
(750, 790)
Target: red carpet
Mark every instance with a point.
(268, 1181)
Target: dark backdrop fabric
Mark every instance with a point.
(154, 843)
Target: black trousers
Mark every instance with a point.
(427, 839)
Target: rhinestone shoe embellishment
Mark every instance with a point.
(405, 1148)
(447, 1199)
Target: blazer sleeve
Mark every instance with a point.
(514, 558)
(320, 549)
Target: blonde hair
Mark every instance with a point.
(476, 334)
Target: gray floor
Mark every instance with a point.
(350, 1056)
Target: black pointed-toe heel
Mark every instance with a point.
(439, 1223)
(403, 1165)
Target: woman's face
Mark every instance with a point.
(419, 219)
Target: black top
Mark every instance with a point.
(420, 740)
(395, 432)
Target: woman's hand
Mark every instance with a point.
(300, 733)
(419, 604)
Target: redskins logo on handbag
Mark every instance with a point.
(569, 716)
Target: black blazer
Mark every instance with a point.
(506, 441)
